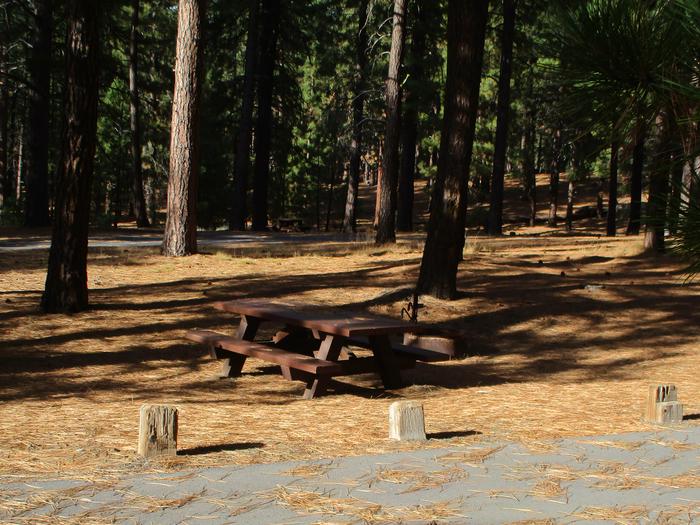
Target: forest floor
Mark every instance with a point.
(565, 334)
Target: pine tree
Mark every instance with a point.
(37, 175)
(180, 237)
(495, 225)
(386, 224)
(137, 197)
(466, 30)
(358, 103)
(241, 165)
(66, 279)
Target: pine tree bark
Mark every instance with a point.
(386, 224)
(674, 202)
(331, 184)
(66, 279)
(358, 101)
(413, 106)
(139, 202)
(528, 149)
(554, 170)
(241, 161)
(270, 15)
(466, 29)
(8, 183)
(657, 203)
(20, 162)
(633, 226)
(37, 173)
(4, 109)
(495, 222)
(570, 205)
(180, 237)
(611, 229)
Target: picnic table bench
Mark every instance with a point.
(312, 345)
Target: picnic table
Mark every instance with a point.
(312, 344)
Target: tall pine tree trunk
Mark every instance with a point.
(658, 188)
(633, 226)
(386, 223)
(20, 162)
(503, 114)
(8, 183)
(674, 201)
(466, 29)
(180, 237)
(612, 190)
(331, 184)
(532, 189)
(528, 151)
(66, 279)
(554, 170)
(263, 129)
(37, 174)
(413, 106)
(137, 196)
(4, 108)
(570, 193)
(241, 161)
(358, 101)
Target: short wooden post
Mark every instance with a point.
(406, 421)
(662, 405)
(157, 430)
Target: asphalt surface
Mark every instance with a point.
(136, 238)
(651, 477)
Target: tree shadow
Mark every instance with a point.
(212, 449)
(53, 364)
(453, 434)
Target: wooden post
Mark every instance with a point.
(406, 421)
(662, 405)
(157, 430)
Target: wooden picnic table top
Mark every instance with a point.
(341, 323)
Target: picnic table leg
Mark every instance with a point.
(387, 363)
(315, 387)
(329, 351)
(233, 364)
(330, 348)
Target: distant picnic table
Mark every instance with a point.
(289, 224)
(312, 345)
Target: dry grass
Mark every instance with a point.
(471, 457)
(360, 511)
(623, 445)
(418, 479)
(313, 470)
(548, 521)
(632, 515)
(550, 488)
(687, 480)
(678, 515)
(549, 358)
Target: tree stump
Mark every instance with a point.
(662, 405)
(157, 431)
(406, 421)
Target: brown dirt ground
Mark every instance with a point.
(547, 358)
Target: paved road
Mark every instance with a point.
(631, 478)
(136, 238)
